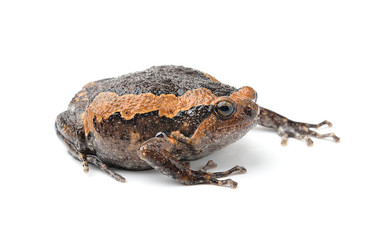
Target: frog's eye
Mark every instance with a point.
(255, 97)
(225, 109)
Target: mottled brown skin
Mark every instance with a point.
(163, 115)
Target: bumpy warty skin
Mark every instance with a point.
(157, 117)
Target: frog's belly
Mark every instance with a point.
(131, 162)
(120, 154)
(126, 156)
(123, 159)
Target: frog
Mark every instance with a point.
(164, 117)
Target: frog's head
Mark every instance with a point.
(231, 118)
(237, 112)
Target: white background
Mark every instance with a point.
(308, 60)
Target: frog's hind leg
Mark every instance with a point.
(81, 157)
(71, 132)
(85, 158)
(98, 163)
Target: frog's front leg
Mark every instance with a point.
(160, 153)
(287, 128)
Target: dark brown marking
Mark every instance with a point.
(167, 105)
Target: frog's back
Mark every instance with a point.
(157, 80)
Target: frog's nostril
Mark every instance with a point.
(249, 111)
(252, 110)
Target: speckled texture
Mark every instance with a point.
(159, 80)
(124, 137)
(157, 117)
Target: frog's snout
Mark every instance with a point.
(252, 109)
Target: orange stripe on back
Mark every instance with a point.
(168, 105)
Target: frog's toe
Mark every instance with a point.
(203, 176)
(226, 183)
(325, 122)
(211, 164)
(301, 131)
(284, 138)
(308, 141)
(327, 135)
(98, 163)
(84, 161)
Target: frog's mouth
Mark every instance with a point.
(245, 125)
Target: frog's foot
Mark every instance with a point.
(85, 158)
(84, 161)
(302, 131)
(156, 152)
(81, 157)
(98, 163)
(211, 164)
(77, 155)
(214, 175)
(287, 128)
(199, 177)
